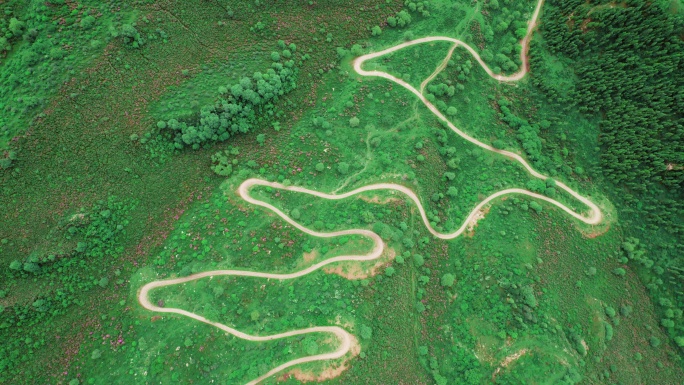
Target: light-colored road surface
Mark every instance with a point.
(344, 337)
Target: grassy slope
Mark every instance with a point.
(167, 191)
(61, 170)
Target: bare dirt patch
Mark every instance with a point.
(470, 231)
(376, 199)
(310, 257)
(508, 360)
(328, 372)
(355, 270)
(595, 232)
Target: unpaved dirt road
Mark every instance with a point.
(346, 339)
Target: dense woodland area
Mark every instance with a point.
(628, 58)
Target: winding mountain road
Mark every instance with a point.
(345, 338)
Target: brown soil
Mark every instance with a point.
(327, 373)
(376, 199)
(310, 257)
(470, 231)
(354, 270)
(507, 361)
(595, 232)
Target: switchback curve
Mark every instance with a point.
(345, 338)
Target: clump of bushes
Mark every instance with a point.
(238, 107)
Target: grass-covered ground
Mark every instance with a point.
(94, 205)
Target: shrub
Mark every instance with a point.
(5, 163)
(679, 340)
(448, 280)
(343, 168)
(366, 332)
(609, 331)
(536, 207)
(654, 341)
(87, 22)
(131, 36)
(238, 110)
(15, 265)
(221, 165)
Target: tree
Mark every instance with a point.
(376, 31)
(679, 340)
(536, 207)
(356, 50)
(295, 214)
(418, 260)
(343, 168)
(87, 22)
(221, 165)
(4, 44)
(654, 341)
(32, 267)
(528, 296)
(452, 111)
(403, 18)
(608, 331)
(448, 280)
(16, 26)
(320, 167)
(15, 265)
(354, 122)
(131, 36)
(389, 271)
(620, 272)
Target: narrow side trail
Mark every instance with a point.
(596, 215)
(346, 340)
